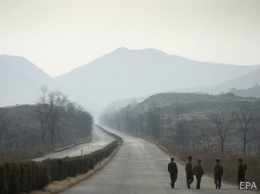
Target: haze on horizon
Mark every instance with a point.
(60, 35)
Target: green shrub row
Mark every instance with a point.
(25, 176)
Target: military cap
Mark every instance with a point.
(240, 159)
(190, 157)
(199, 160)
(217, 160)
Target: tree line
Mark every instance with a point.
(210, 126)
(53, 120)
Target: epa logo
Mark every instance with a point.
(247, 185)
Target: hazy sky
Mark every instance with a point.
(59, 35)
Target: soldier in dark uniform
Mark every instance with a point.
(189, 173)
(198, 172)
(218, 173)
(241, 172)
(173, 170)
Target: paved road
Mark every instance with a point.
(141, 167)
(99, 140)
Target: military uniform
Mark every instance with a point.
(189, 173)
(241, 173)
(198, 172)
(173, 170)
(218, 173)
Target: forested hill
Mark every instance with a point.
(169, 99)
(192, 120)
(30, 131)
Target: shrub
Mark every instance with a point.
(13, 174)
(25, 176)
(3, 181)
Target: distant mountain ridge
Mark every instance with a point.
(248, 92)
(245, 81)
(126, 73)
(120, 74)
(241, 86)
(20, 80)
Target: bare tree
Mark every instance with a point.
(4, 125)
(162, 116)
(61, 101)
(178, 109)
(222, 121)
(171, 123)
(56, 106)
(42, 112)
(256, 139)
(141, 124)
(79, 119)
(206, 138)
(174, 117)
(154, 121)
(183, 133)
(245, 117)
(10, 138)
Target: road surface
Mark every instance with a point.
(99, 140)
(140, 167)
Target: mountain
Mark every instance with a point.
(246, 86)
(246, 81)
(20, 81)
(174, 99)
(249, 92)
(119, 75)
(126, 73)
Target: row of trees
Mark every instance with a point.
(51, 121)
(54, 110)
(244, 120)
(12, 130)
(215, 128)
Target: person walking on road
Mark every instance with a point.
(218, 173)
(173, 170)
(189, 173)
(241, 172)
(198, 172)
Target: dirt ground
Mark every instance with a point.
(58, 186)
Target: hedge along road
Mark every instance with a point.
(141, 167)
(100, 139)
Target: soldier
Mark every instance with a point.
(189, 173)
(173, 170)
(198, 172)
(241, 172)
(218, 172)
